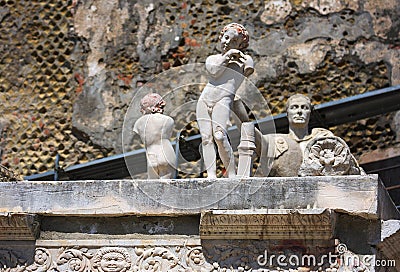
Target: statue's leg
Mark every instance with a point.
(220, 116)
(207, 142)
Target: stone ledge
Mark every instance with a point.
(357, 195)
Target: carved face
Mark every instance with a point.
(299, 111)
(231, 39)
(113, 262)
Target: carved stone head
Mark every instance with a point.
(152, 103)
(298, 108)
(112, 259)
(241, 31)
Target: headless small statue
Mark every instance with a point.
(155, 129)
(226, 73)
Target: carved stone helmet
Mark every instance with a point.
(152, 103)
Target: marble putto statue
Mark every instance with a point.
(226, 72)
(155, 129)
(304, 153)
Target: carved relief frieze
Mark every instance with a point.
(110, 259)
(18, 227)
(266, 225)
(127, 256)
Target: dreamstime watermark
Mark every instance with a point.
(341, 258)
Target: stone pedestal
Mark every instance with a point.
(246, 149)
(248, 224)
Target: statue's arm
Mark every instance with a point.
(169, 126)
(216, 65)
(136, 127)
(248, 66)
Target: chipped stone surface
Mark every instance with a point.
(276, 11)
(369, 51)
(308, 56)
(381, 13)
(324, 6)
(351, 194)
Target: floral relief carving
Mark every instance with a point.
(229, 257)
(75, 260)
(197, 262)
(326, 156)
(195, 257)
(42, 261)
(155, 259)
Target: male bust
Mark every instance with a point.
(226, 72)
(155, 129)
(288, 149)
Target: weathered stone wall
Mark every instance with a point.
(69, 69)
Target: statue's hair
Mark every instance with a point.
(152, 103)
(241, 30)
(291, 98)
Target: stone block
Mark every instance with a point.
(357, 195)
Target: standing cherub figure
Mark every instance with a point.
(154, 130)
(226, 72)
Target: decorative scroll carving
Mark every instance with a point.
(263, 225)
(19, 227)
(196, 261)
(42, 261)
(74, 260)
(210, 256)
(328, 156)
(155, 259)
